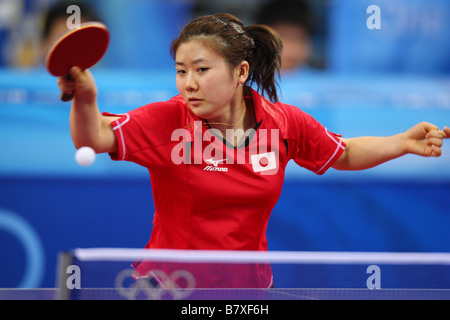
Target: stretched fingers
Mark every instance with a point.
(446, 132)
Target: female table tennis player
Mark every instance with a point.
(202, 199)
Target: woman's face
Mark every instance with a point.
(205, 80)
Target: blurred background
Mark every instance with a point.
(357, 71)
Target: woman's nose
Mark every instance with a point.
(191, 83)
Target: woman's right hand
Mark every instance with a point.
(81, 83)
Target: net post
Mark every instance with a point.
(65, 259)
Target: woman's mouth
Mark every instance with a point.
(194, 101)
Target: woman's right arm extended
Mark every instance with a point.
(88, 126)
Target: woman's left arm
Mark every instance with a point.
(424, 139)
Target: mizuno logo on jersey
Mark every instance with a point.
(219, 169)
(215, 165)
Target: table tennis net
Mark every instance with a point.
(111, 273)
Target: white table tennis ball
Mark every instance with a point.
(85, 156)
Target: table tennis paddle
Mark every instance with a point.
(82, 47)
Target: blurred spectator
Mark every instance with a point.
(55, 21)
(49, 23)
(294, 21)
(11, 12)
(244, 9)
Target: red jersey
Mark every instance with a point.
(207, 193)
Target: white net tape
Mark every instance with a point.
(118, 254)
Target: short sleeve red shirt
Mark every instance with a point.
(207, 193)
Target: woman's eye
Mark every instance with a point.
(203, 69)
(181, 72)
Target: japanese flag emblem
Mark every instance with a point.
(264, 162)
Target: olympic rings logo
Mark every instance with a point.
(31, 242)
(159, 286)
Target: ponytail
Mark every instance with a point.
(265, 59)
(260, 45)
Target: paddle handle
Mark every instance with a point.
(67, 96)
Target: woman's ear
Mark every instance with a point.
(243, 72)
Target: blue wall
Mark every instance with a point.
(413, 37)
